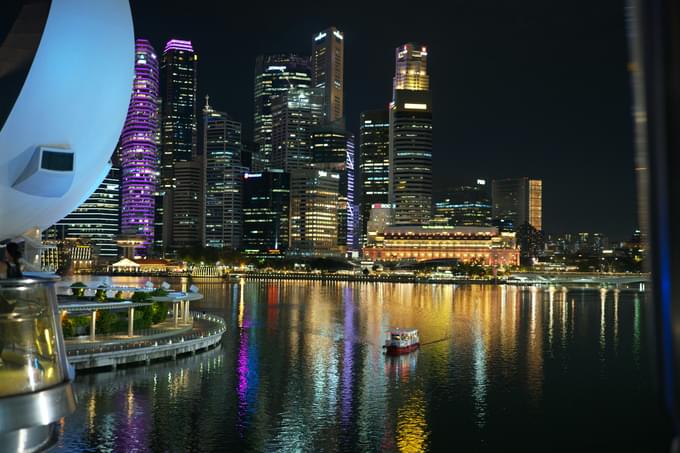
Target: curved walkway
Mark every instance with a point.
(205, 333)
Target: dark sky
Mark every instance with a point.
(530, 88)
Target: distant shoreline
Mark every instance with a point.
(542, 279)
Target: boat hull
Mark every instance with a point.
(396, 350)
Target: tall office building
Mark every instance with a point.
(516, 201)
(411, 137)
(138, 150)
(251, 157)
(266, 207)
(178, 131)
(295, 113)
(223, 179)
(374, 163)
(328, 53)
(313, 212)
(275, 75)
(188, 213)
(333, 150)
(465, 206)
(96, 220)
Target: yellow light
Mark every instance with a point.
(411, 106)
(49, 343)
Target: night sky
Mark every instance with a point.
(530, 88)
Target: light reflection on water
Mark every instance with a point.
(301, 368)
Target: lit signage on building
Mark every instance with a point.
(320, 36)
(410, 106)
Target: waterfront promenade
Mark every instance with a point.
(164, 341)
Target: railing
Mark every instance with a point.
(217, 327)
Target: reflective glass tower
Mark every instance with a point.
(411, 137)
(333, 149)
(178, 131)
(516, 201)
(465, 206)
(328, 54)
(374, 163)
(275, 75)
(138, 151)
(223, 179)
(96, 220)
(266, 205)
(295, 113)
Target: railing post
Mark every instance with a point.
(93, 324)
(131, 321)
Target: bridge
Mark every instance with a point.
(578, 278)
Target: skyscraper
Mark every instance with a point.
(223, 179)
(188, 213)
(333, 150)
(328, 53)
(178, 132)
(295, 113)
(138, 150)
(313, 212)
(465, 206)
(96, 220)
(251, 157)
(374, 163)
(266, 208)
(275, 75)
(516, 201)
(411, 137)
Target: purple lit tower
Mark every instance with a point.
(138, 150)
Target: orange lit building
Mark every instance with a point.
(421, 243)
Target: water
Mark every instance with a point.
(301, 369)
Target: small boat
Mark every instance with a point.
(401, 341)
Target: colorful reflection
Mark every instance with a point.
(302, 369)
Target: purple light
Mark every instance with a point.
(138, 150)
(178, 44)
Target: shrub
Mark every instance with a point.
(106, 321)
(78, 289)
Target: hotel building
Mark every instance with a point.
(465, 244)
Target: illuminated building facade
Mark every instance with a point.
(96, 220)
(374, 163)
(333, 150)
(465, 244)
(138, 150)
(223, 179)
(536, 203)
(328, 53)
(314, 212)
(266, 205)
(178, 131)
(411, 138)
(295, 113)
(275, 75)
(61, 253)
(516, 201)
(379, 219)
(465, 206)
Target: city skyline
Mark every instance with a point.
(495, 114)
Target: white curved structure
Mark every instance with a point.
(56, 143)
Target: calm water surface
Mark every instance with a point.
(301, 369)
